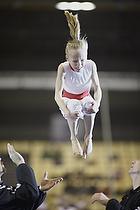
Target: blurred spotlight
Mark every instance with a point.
(86, 6)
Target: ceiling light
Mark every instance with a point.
(87, 6)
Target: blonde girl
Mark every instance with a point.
(72, 90)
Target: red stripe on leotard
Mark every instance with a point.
(76, 96)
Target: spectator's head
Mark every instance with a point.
(135, 167)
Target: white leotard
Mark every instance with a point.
(78, 82)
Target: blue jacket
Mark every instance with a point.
(26, 195)
(131, 201)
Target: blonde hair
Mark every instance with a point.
(77, 41)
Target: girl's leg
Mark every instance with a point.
(89, 124)
(74, 105)
(77, 150)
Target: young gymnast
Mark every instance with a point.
(72, 90)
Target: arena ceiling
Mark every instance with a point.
(50, 4)
(34, 34)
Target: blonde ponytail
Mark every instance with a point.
(74, 26)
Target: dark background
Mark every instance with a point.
(33, 35)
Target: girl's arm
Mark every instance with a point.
(59, 89)
(97, 88)
(58, 94)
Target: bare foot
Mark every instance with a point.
(77, 150)
(87, 147)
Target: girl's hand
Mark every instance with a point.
(92, 109)
(73, 115)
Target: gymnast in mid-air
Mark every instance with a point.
(74, 79)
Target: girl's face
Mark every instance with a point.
(77, 58)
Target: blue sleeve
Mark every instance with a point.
(113, 204)
(130, 201)
(28, 188)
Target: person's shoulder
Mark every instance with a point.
(91, 64)
(89, 61)
(63, 66)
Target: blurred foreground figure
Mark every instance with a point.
(131, 201)
(26, 195)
